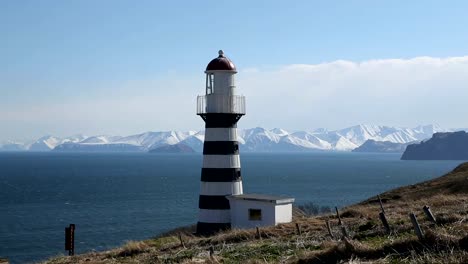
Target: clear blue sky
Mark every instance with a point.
(73, 51)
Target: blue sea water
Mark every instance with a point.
(113, 198)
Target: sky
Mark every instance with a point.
(126, 67)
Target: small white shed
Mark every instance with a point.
(252, 210)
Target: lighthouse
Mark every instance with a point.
(220, 108)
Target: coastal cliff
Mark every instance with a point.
(442, 146)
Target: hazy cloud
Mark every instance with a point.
(403, 92)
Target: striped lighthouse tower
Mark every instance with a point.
(220, 108)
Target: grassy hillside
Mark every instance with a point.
(367, 242)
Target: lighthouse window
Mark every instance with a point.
(209, 83)
(255, 214)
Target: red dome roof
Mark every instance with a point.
(221, 63)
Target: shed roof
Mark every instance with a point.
(262, 198)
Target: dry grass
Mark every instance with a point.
(446, 242)
(130, 249)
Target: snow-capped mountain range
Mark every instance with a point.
(252, 140)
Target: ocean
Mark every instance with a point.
(113, 198)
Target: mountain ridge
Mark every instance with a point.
(255, 139)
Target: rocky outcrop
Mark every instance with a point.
(442, 146)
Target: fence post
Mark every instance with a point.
(381, 205)
(298, 229)
(417, 228)
(258, 233)
(343, 227)
(383, 218)
(384, 221)
(338, 215)
(329, 229)
(429, 214)
(70, 239)
(181, 240)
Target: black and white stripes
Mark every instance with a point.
(221, 172)
(221, 108)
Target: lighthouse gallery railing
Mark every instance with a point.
(220, 103)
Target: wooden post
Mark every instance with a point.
(298, 229)
(67, 239)
(329, 229)
(258, 233)
(381, 205)
(383, 218)
(384, 221)
(343, 227)
(338, 215)
(417, 228)
(70, 239)
(429, 214)
(72, 228)
(181, 240)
